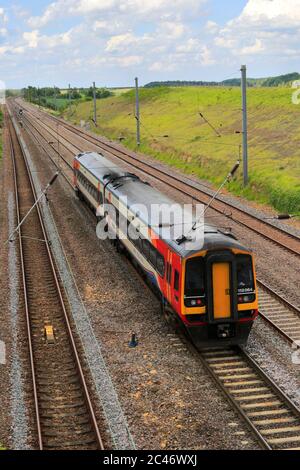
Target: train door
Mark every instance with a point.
(221, 287)
(175, 281)
(168, 277)
(221, 290)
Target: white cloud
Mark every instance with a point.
(160, 66)
(168, 38)
(31, 38)
(90, 6)
(124, 61)
(265, 27)
(50, 13)
(191, 45)
(254, 49)
(133, 9)
(211, 27)
(3, 15)
(172, 29)
(279, 12)
(123, 42)
(206, 56)
(129, 61)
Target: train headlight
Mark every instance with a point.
(246, 299)
(196, 302)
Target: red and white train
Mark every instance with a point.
(210, 289)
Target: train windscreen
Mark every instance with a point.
(245, 277)
(194, 278)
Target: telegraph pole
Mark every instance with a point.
(55, 99)
(245, 130)
(69, 95)
(95, 103)
(137, 113)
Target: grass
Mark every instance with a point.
(174, 132)
(119, 91)
(61, 103)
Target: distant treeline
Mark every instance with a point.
(57, 99)
(180, 83)
(281, 80)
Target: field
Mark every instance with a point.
(174, 132)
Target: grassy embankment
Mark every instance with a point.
(173, 132)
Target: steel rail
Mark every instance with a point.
(88, 401)
(30, 348)
(228, 390)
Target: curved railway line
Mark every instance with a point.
(282, 316)
(64, 414)
(269, 413)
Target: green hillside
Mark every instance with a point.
(174, 132)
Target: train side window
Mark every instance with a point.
(160, 264)
(245, 277)
(176, 280)
(152, 256)
(146, 248)
(139, 244)
(169, 273)
(194, 277)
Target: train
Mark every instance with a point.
(209, 289)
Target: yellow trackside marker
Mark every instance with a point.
(49, 334)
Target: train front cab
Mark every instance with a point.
(220, 301)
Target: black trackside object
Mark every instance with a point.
(134, 341)
(234, 169)
(53, 179)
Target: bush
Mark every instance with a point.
(100, 93)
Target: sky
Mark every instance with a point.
(113, 41)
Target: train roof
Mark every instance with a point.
(140, 198)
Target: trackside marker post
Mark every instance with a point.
(95, 103)
(137, 113)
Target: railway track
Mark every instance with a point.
(282, 316)
(65, 418)
(268, 412)
(182, 184)
(279, 313)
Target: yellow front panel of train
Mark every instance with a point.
(221, 290)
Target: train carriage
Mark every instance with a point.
(210, 289)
